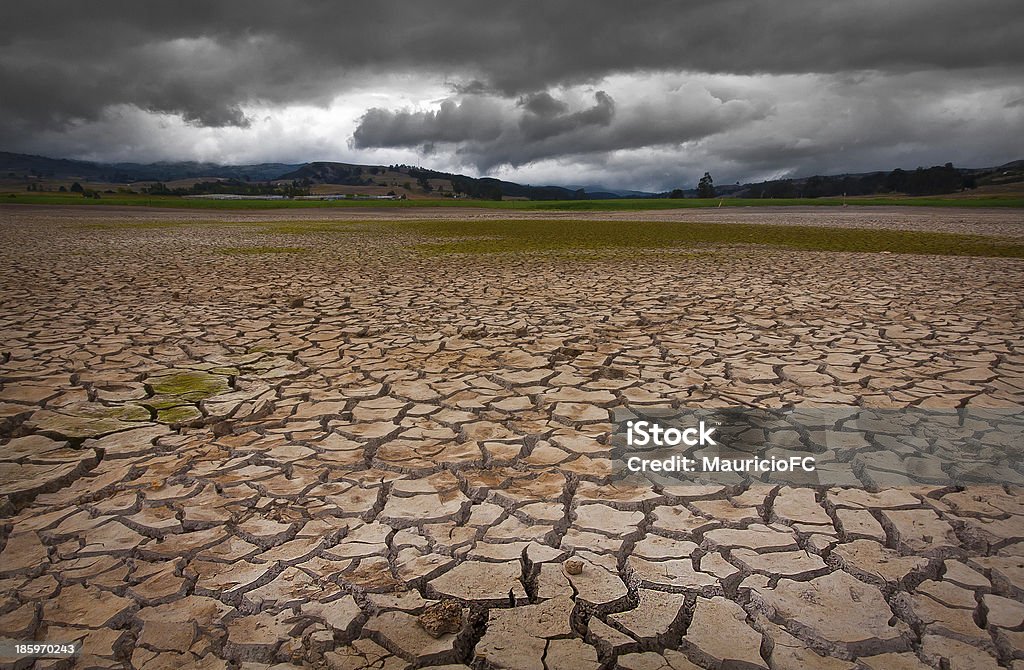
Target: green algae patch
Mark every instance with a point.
(159, 402)
(190, 385)
(116, 412)
(176, 393)
(179, 414)
(437, 237)
(229, 371)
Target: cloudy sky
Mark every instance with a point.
(632, 95)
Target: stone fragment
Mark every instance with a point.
(716, 565)
(440, 618)
(129, 443)
(87, 420)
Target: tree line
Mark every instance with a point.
(934, 180)
(230, 186)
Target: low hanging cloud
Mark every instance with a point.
(548, 120)
(472, 119)
(744, 126)
(488, 132)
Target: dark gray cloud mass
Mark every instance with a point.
(530, 81)
(544, 127)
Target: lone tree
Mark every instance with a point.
(706, 186)
(76, 188)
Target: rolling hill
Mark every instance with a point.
(21, 171)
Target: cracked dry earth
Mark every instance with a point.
(243, 460)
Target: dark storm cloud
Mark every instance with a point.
(548, 122)
(203, 60)
(543, 104)
(665, 127)
(529, 81)
(472, 119)
(543, 126)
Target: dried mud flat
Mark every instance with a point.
(213, 458)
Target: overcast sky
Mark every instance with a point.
(633, 95)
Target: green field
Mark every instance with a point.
(439, 236)
(561, 205)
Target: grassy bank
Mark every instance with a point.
(440, 236)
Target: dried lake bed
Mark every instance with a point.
(282, 436)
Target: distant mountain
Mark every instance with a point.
(191, 170)
(618, 192)
(420, 182)
(20, 165)
(12, 164)
(402, 178)
(322, 172)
